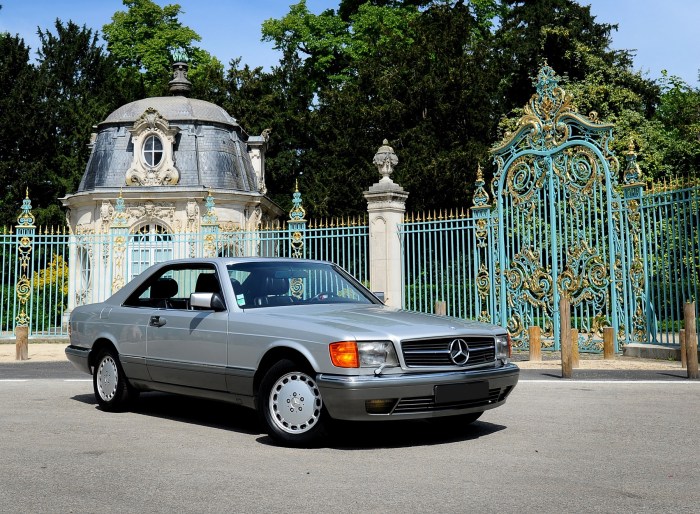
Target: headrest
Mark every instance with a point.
(207, 283)
(276, 286)
(164, 288)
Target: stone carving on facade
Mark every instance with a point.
(229, 226)
(192, 212)
(141, 212)
(153, 162)
(68, 223)
(150, 210)
(255, 220)
(106, 215)
(84, 228)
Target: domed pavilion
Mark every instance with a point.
(157, 168)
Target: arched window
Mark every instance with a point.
(152, 151)
(150, 244)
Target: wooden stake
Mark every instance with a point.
(684, 357)
(535, 334)
(575, 362)
(691, 340)
(22, 343)
(441, 308)
(608, 343)
(565, 337)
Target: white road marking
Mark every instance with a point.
(583, 381)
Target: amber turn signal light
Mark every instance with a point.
(344, 354)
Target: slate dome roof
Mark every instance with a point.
(210, 148)
(172, 108)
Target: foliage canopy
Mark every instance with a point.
(440, 79)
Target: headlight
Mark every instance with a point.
(377, 353)
(369, 354)
(503, 347)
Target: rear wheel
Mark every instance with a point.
(291, 406)
(112, 391)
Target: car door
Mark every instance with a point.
(187, 347)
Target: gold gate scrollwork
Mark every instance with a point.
(556, 186)
(23, 287)
(586, 279)
(528, 284)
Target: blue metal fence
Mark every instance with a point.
(64, 270)
(561, 225)
(671, 220)
(444, 262)
(438, 264)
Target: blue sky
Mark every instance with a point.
(664, 34)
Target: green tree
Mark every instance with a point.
(77, 85)
(142, 38)
(669, 144)
(20, 164)
(533, 31)
(419, 77)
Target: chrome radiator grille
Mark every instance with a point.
(436, 352)
(427, 403)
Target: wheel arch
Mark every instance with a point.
(97, 347)
(275, 355)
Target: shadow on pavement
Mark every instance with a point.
(349, 436)
(208, 413)
(343, 435)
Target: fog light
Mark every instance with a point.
(380, 406)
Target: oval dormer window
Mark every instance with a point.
(152, 151)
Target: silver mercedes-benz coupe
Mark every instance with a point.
(301, 341)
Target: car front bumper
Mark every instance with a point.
(413, 395)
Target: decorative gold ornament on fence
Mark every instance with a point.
(119, 249)
(25, 230)
(297, 224)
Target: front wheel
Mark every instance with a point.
(291, 406)
(112, 390)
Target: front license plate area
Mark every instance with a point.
(453, 393)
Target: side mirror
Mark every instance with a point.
(208, 301)
(379, 294)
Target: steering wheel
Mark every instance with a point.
(323, 296)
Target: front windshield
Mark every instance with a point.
(274, 284)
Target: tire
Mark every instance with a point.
(112, 390)
(290, 405)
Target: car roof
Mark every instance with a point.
(234, 260)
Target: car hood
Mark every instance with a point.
(371, 321)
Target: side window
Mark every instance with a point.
(172, 287)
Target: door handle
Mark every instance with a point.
(156, 321)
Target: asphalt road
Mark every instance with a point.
(65, 370)
(593, 445)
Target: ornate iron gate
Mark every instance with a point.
(557, 223)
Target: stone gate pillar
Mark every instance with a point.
(386, 205)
